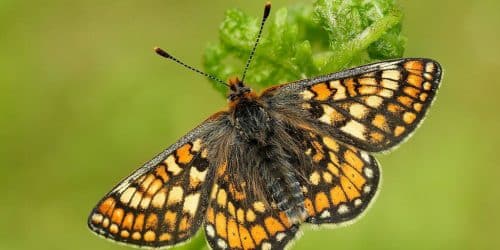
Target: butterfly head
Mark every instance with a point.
(238, 91)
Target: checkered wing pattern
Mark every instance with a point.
(342, 182)
(162, 203)
(373, 107)
(234, 221)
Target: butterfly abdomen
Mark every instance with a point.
(285, 191)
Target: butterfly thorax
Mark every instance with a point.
(247, 114)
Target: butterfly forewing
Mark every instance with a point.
(372, 107)
(162, 203)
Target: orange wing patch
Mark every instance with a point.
(184, 155)
(321, 91)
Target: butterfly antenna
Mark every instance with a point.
(163, 53)
(267, 9)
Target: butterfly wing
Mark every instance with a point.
(341, 183)
(235, 221)
(162, 203)
(372, 107)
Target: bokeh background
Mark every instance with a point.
(84, 101)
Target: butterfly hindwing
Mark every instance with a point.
(372, 107)
(233, 221)
(341, 183)
(162, 203)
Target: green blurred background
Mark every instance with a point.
(84, 101)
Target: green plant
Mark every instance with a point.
(306, 40)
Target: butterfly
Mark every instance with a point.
(296, 153)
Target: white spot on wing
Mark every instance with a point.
(355, 129)
(327, 114)
(307, 95)
(365, 156)
(127, 195)
(343, 209)
(341, 91)
(325, 214)
(196, 145)
(427, 86)
(374, 101)
(429, 67)
(314, 178)
(197, 175)
(175, 195)
(266, 246)
(367, 81)
(210, 231)
(391, 74)
(369, 172)
(390, 84)
(221, 243)
(357, 202)
(386, 93)
(97, 218)
(172, 165)
(280, 236)
(159, 199)
(191, 203)
(358, 110)
(145, 202)
(105, 222)
(136, 199)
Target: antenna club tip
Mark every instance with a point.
(267, 9)
(161, 52)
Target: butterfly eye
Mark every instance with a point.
(231, 97)
(245, 90)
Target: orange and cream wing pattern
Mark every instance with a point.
(234, 221)
(372, 107)
(161, 204)
(341, 183)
